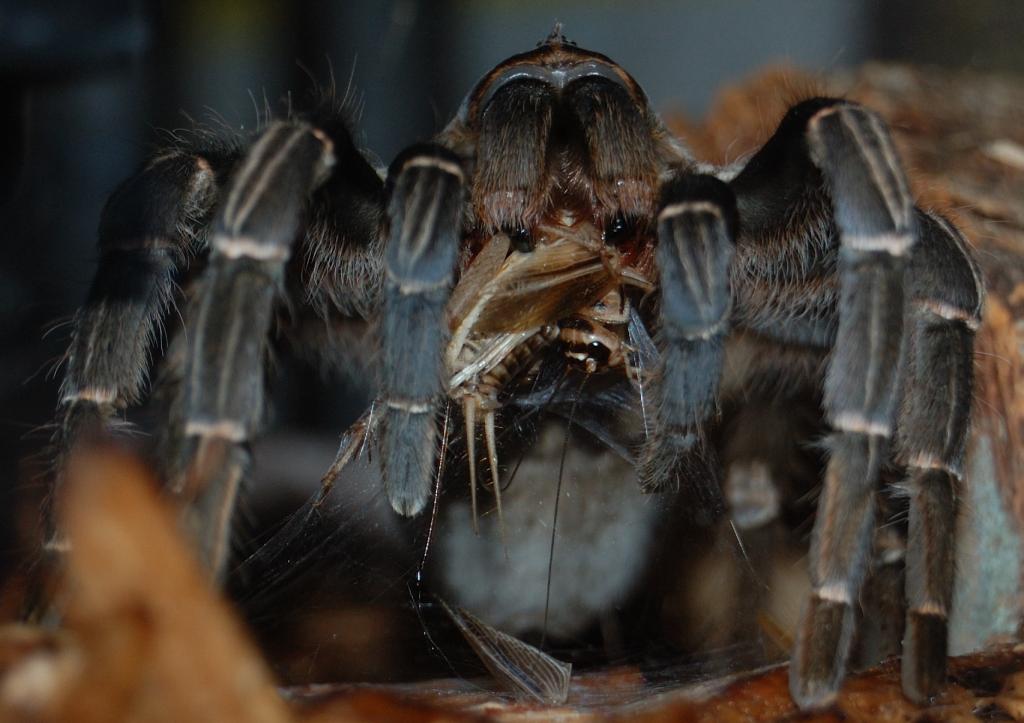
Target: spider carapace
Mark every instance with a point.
(557, 213)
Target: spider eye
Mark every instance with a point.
(599, 352)
(619, 229)
(521, 238)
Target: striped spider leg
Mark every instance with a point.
(833, 253)
(301, 183)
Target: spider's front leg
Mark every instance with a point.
(424, 214)
(696, 232)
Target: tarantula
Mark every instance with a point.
(557, 214)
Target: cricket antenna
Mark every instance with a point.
(554, 519)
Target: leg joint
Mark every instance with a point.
(227, 429)
(409, 405)
(429, 156)
(949, 312)
(834, 592)
(860, 423)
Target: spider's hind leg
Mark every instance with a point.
(946, 296)
(221, 394)
(145, 233)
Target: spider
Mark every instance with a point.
(555, 217)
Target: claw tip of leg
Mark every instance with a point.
(811, 695)
(407, 505)
(925, 647)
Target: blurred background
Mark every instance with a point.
(86, 86)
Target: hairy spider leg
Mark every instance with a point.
(149, 227)
(826, 196)
(946, 296)
(696, 230)
(222, 387)
(874, 213)
(424, 212)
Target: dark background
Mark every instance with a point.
(87, 85)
